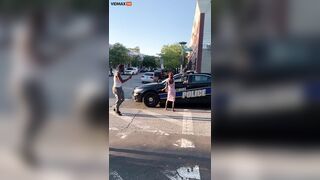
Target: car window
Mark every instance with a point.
(177, 78)
(148, 74)
(200, 79)
(180, 78)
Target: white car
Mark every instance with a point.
(148, 77)
(136, 70)
(131, 71)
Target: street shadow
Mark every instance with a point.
(167, 155)
(138, 164)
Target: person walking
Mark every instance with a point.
(117, 88)
(170, 88)
(29, 63)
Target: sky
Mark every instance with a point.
(150, 24)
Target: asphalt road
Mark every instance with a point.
(151, 143)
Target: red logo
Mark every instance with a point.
(128, 3)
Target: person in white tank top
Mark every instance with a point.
(116, 81)
(117, 88)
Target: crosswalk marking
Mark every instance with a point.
(187, 124)
(183, 119)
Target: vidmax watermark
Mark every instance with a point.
(126, 3)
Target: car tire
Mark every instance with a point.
(151, 99)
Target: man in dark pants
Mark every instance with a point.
(117, 88)
(29, 65)
(27, 80)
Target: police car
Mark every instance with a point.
(190, 88)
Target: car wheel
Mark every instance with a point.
(151, 99)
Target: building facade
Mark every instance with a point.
(199, 58)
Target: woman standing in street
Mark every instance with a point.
(170, 88)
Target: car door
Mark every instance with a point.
(198, 88)
(179, 86)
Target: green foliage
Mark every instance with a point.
(136, 61)
(135, 49)
(150, 62)
(157, 62)
(118, 54)
(171, 55)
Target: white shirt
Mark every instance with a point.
(116, 81)
(23, 68)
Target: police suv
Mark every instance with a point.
(190, 88)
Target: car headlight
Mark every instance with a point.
(138, 90)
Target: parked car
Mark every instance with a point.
(190, 88)
(131, 71)
(143, 70)
(148, 77)
(136, 70)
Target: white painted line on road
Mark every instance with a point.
(183, 173)
(187, 129)
(184, 143)
(187, 172)
(115, 175)
(187, 123)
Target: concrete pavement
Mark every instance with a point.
(152, 143)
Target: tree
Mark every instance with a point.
(149, 62)
(118, 54)
(171, 55)
(135, 49)
(136, 61)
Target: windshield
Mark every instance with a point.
(177, 78)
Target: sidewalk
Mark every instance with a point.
(152, 142)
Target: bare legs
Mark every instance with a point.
(172, 106)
